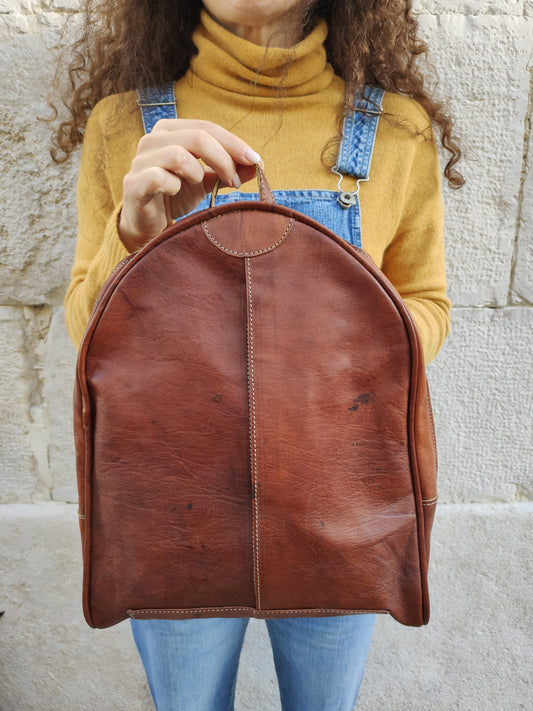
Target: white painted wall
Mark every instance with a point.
(477, 651)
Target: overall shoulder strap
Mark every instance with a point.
(157, 102)
(359, 135)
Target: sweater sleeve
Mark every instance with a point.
(99, 248)
(414, 260)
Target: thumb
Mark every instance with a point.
(245, 173)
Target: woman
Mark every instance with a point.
(268, 82)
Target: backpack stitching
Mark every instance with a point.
(253, 438)
(246, 254)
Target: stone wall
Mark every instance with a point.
(477, 651)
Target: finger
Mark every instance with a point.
(197, 143)
(174, 158)
(239, 150)
(152, 181)
(179, 151)
(247, 172)
(244, 172)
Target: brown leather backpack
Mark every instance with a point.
(253, 428)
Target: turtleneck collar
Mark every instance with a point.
(238, 66)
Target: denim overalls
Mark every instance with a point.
(319, 661)
(339, 211)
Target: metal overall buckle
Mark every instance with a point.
(345, 198)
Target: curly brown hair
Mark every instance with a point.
(124, 45)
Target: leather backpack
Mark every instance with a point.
(253, 428)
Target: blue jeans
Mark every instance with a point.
(192, 665)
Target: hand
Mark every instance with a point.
(166, 180)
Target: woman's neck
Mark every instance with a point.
(284, 30)
(264, 36)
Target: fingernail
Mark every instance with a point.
(236, 182)
(253, 156)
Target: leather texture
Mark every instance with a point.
(253, 429)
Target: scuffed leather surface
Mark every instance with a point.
(252, 429)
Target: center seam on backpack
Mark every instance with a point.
(253, 437)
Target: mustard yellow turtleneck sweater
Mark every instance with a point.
(287, 113)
